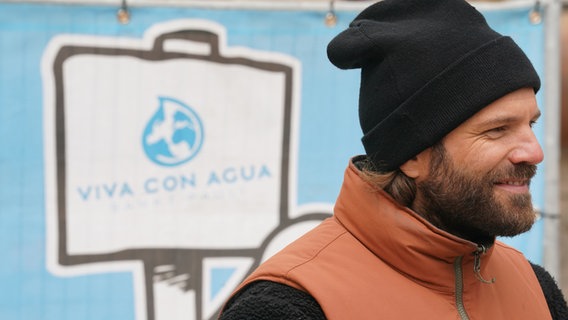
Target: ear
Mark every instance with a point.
(419, 166)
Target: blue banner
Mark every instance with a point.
(146, 168)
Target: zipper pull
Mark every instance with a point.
(477, 264)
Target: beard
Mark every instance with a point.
(465, 203)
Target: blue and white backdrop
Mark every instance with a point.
(146, 168)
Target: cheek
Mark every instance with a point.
(480, 158)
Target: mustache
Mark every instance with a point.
(516, 171)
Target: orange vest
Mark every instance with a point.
(375, 259)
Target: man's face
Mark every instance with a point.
(477, 181)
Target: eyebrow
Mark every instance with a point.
(504, 120)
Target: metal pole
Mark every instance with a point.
(551, 259)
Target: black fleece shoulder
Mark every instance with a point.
(552, 293)
(266, 300)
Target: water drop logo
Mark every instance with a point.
(174, 134)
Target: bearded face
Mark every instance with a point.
(468, 204)
(475, 182)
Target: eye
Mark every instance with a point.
(532, 123)
(498, 129)
(495, 132)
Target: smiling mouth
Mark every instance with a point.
(514, 185)
(513, 182)
(516, 179)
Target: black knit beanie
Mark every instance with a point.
(426, 67)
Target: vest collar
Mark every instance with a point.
(400, 236)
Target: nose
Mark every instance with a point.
(528, 150)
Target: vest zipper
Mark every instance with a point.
(481, 249)
(458, 273)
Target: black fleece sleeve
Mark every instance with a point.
(554, 297)
(266, 300)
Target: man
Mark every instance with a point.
(447, 107)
